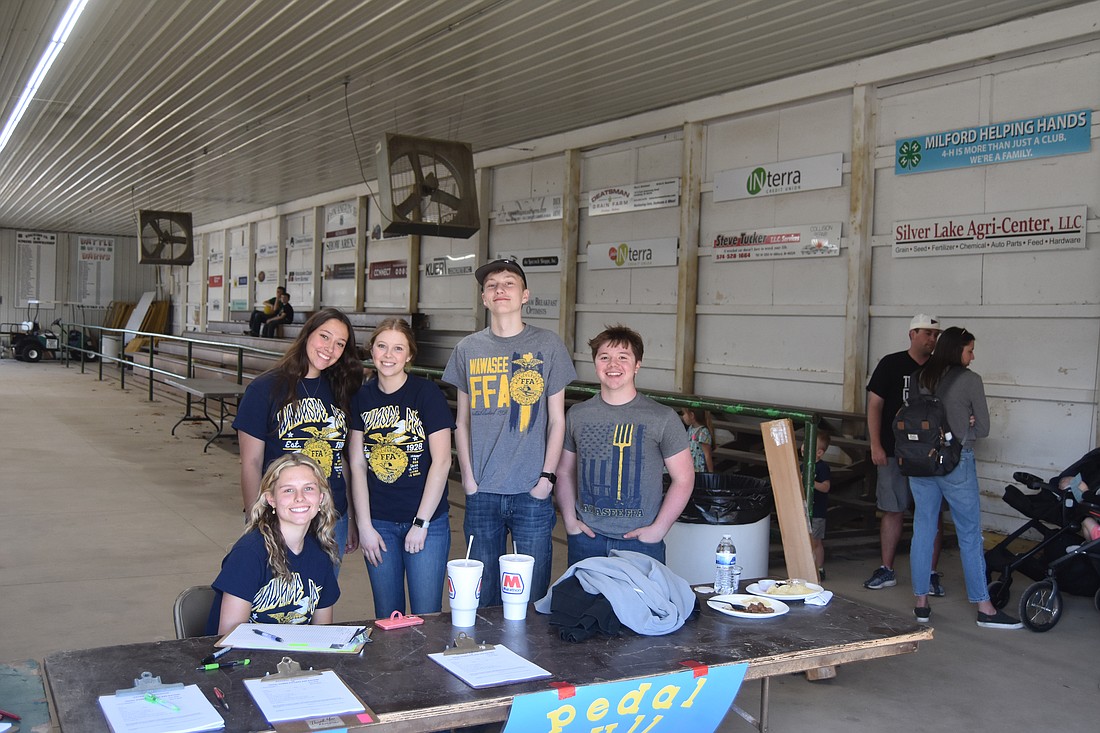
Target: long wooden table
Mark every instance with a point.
(411, 693)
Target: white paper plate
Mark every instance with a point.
(741, 599)
(756, 590)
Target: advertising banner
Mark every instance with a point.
(808, 240)
(1014, 231)
(522, 211)
(534, 260)
(388, 270)
(642, 253)
(634, 197)
(450, 266)
(787, 176)
(1063, 133)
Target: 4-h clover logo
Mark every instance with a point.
(909, 154)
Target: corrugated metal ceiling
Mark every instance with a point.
(222, 107)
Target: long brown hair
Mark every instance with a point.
(345, 376)
(948, 354)
(262, 516)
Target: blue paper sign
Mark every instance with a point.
(668, 703)
(1003, 142)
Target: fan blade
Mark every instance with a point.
(446, 199)
(411, 203)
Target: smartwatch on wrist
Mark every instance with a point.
(551, 476)
(422, 523)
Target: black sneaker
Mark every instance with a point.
(881, 578)
(999, 620)
(923, 614)
(934, 586)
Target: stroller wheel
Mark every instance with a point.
(1041, 606)
(998, 593)
(1096, 601)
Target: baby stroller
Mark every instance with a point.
(1056, 515)
(1041, 603)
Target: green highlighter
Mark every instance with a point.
(225, 665)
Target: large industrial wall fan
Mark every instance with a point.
(165, 238)
(427, 187)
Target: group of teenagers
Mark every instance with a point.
(331, 464)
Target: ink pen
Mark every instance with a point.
(221, 698)
(266, 635)
(224, 665)
(150, 697)
(218, 654)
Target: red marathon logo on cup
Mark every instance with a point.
(511, 583)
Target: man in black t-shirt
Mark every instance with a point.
(283, 314)
(886, 393)
(256, 320)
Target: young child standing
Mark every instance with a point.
(700, 438)
(822, 483)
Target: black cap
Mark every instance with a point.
(496, 266)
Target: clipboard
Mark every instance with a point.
(169, 707)
(289, 670)
(486, 665)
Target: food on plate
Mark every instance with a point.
(758, 607)
(790, 588)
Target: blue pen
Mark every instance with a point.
(218, 654)
(266, 635)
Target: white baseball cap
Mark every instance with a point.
(922, 320)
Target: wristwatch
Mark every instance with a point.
(547, 475)
(422, 523)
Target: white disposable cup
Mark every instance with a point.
(515, 584)
(464, 590)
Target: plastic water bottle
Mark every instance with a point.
(725, 557)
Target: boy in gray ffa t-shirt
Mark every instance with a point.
(616, 445)
(510, 421)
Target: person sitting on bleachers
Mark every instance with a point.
(271, 307)
(285, 314)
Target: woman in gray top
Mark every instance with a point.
(968, 416)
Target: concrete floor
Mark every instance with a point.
(106, 517)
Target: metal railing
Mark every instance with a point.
(807, 420)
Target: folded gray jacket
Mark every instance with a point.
(647, 596)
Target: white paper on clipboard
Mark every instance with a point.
(497, 666)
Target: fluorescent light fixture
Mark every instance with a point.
(76, 7)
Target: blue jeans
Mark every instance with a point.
(960, 489)
(490, 517)
(582, 547)
(340, 530)
(425, 570)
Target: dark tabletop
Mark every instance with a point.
(395, 677)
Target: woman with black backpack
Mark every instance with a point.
(963, 397)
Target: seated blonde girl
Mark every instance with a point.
(282, 570)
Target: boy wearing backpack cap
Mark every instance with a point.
(510, 424)
(886, 393)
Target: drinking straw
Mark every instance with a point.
(469, 547)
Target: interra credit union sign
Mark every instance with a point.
(787, 176)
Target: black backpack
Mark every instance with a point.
(923, 442)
